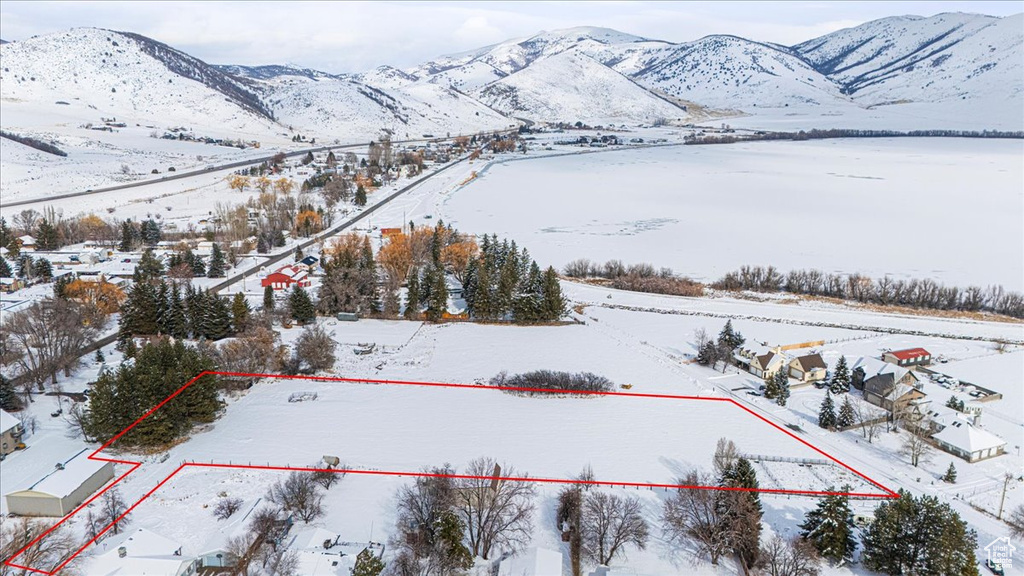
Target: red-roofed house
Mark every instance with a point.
(908, 357)
(286, 277)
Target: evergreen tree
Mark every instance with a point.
(412, 300)
(742, 475)
(840, 383)
(827, 415)
(5, 269)
(5, 233)
(150, 232)
(24, 266)
(140, 312)
(218, 317)
(301, 307)
(360, 198)
(195, 303)
(9, 399)
(46, 236)
(60, 286)
(149, 268)
(100, 358)
(950, 475)
(912, 535)
(554, 303)
(262, 244)
(437, 293)
(482, 305)
(42, 270)
(216, 268)
(449, 534)
(846, 417)
(177, 317)
(239, 313)
(741, 511)
(163, 303)
(829, 527)
(127, 237)
(729, 337)
(128, 348)
(782, 385)
(367, 564)
(195, 262)
(268, 298)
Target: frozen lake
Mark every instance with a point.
(947, 209)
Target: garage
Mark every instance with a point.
(58, 493)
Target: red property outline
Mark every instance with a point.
(95, 455)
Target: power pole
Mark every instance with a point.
(1006, 482)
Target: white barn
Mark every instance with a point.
(61, 491)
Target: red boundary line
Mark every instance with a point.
(886, 492)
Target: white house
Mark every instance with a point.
(140, 551)
(969, 442)
(10, 433)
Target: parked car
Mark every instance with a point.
(994, 567)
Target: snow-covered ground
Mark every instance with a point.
(880, 207)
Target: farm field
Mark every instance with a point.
(879, 207)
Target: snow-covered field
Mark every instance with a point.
(913, 208)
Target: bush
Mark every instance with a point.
(572, 382)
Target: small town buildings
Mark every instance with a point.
(63, 489)
(9, 285)
(28, 243)
(10, 433)
(309, 263)
(141, 551)
(766, 365)
(808, 368)
(874, 366)
(969, 442)
(908, 357)
(884, 391)
(286, 277)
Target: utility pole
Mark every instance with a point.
(1006, 483)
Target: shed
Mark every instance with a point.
(59, 492)
(908, 357)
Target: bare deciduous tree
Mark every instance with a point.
(299, 494)
(915, 447)
(795, 558)
(696, 515)
(725, 456)
(497, 513)
(609, 523)
(18, 534)
(325, 477)
(226, 507)
(1016, 521)
(315, 349)
(112, 510)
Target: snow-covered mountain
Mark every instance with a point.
(909, 58)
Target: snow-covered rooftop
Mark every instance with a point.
(533, 562)
(62, 482)
(7, 421)
(146, 552)
(968, 438)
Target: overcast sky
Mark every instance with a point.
(353, 37)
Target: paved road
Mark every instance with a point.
(274, 259)
(217, 168)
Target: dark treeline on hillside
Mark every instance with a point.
(34, 143)
(884, 291)
(818, 134)
(635, 277)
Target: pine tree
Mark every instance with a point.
(9, 400)
(771, 387)
(829, 527)
(163, 304)
(216, 267)
(742, 512)
(196, 263)
(950, 475)
(742, 475)
(177, 320)
(127, 237)
(5, 233)
(782, 385)
(840, 377)
(846, 417)
(827, 414)
(150, 232)
(60, 286)
(367, 564)
(554, 303)
(24, 266)
(262, 244)
(218, 317)
(300, 305)
(5, 268)
(360, 198)
(268, 298)
(42, 270)
(140, 312)
(46, 236)
(912, 535)
(449, 535)
(437, 298)
(412, 299)
(100, 358)
(149, 268)
(239, 313)
(729, 337)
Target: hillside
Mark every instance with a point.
(571, 86)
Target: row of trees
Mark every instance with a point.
(635, 277)
(884, 291)
(163, 308)
(502, 283)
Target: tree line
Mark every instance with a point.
(885, 291)
(640, 277)
(821, 134)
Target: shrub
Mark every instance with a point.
(572, 382)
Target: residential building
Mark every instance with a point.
(28, 243)
(10, 433)
(286, 277)
(141, 551)
(884, 391)
(969, 442)
(808, 368)
(908, 357)
(766, 365)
